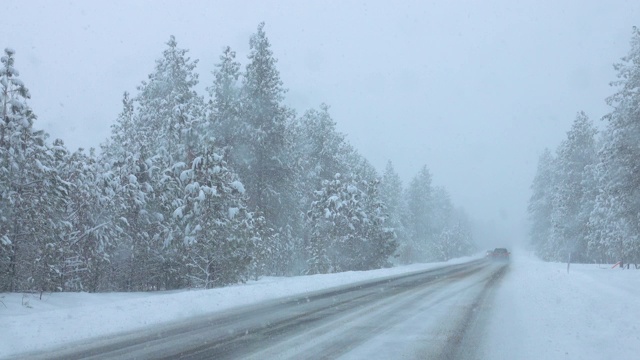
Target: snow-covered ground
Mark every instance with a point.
(543, 312)
(540, 311)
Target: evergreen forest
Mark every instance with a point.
(196, 190)
(585, 201)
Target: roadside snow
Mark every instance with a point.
(539, 311)
(30, 324)
(543, 312)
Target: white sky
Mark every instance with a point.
(473, 89)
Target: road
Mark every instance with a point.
(434, 314)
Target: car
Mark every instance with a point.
(500, 254)
(488, 254)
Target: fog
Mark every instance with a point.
(474, 90)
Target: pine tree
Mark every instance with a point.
(455, 239)
(225, 106)
(27, 244)
(168, 102)
(441, 211)
(170, 108)
(419, 218)
(91, 230)
(266, 166)
(323, 150)
(266, 121)
(568, 220)
(319, 154)
(614, 222)
(380, 239)
(186, 219)
(129, 161)
(213, 222)
(391, 194)
(348, 231)
(540, 204)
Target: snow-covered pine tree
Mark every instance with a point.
(264, 151)
(359, 165)
(91, 228)
(187, 222)
(317, 154)
(391, 194)
(441, 212)
(213, 222)
(43, 196)
(266, 117)
(224, 104)
(463, 234)
(455, 238)
(320, 225)
(418, 220)
(128, 160)
(30, 192)
(347, 227)
(169, 106)
(54, 239)
(380, 242)
(614, 224)
(334, 219)
(171, 113)
(568, 221)
(322, 148)
(540, 204)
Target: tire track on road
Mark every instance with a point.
(464, 342)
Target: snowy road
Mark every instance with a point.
(437, 313)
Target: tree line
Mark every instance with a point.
(585, 202)
(204, 191)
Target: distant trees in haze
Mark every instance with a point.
(431, 228)
(201, 192)
(586, 197)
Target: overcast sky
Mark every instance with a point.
(475, 90)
